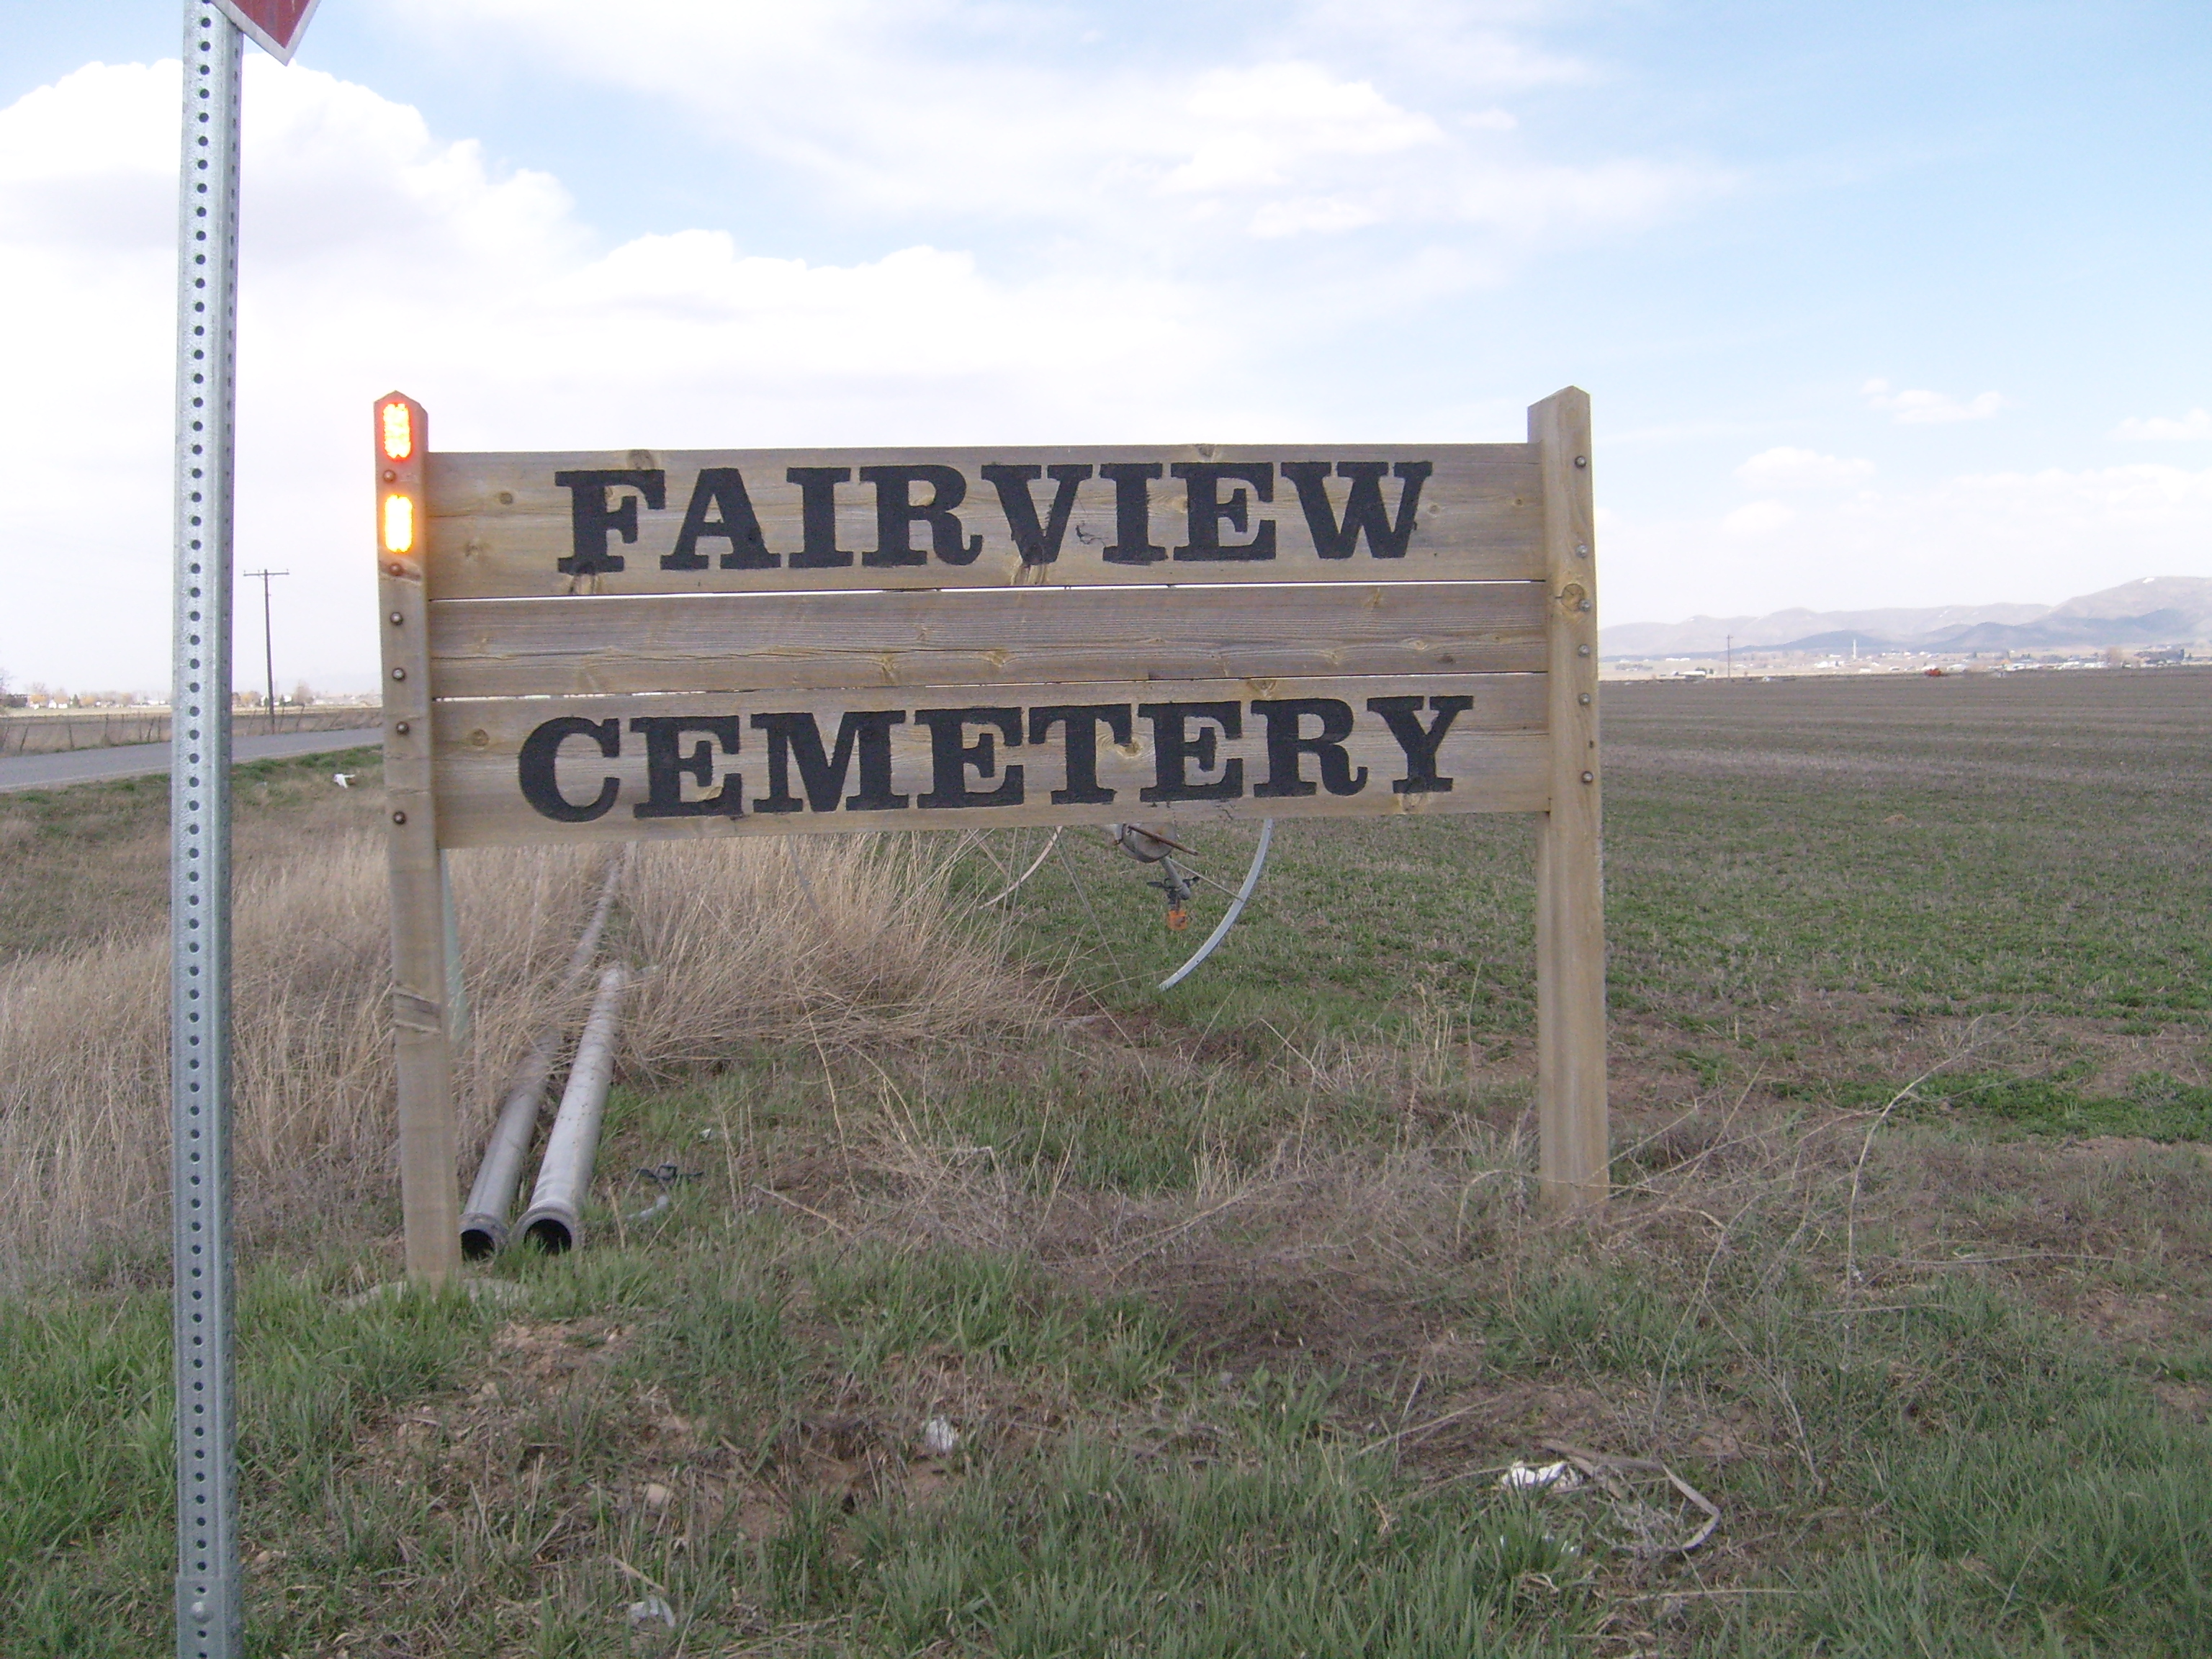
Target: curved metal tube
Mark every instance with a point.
(1035, 865)
(554, 1220)
(1236, 909)
(483, 1221)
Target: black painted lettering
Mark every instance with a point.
(666, 766)
(1287, 748)
(817, 516)
(1176, 748)
(866, 732)
(897, 513)
(1420, 743)
(1202, 481)
(591, 518)
(952, 757)
(541, 750)
(1364, 513)
(1082, 721)
(1133, 512)
(1039, 543)
(720, 492)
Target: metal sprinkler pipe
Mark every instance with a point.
(555, 1218)
(483, 1222)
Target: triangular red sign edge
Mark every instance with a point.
(282, 51)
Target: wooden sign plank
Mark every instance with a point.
(1570, 1083)
(827, 641)
(640, 521)
(421, 966)
(515, 770)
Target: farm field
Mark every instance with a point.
(1000, 1304)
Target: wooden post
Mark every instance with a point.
(422, 967)
(1574, 1154)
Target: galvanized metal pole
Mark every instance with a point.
(209, 1615)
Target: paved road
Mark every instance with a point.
(139, 759)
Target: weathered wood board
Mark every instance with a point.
(641, 521)
(617, 645)
(513, 770)
(829, 642)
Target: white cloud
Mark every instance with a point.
(1755, 519)
(928, 108)
(1922, 408)
(376, 255)
(2195, 424)
(1974, 538)
(1785, 467)
(1469, 43)
(1261, 122)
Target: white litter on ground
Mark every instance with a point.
(1540, 1477)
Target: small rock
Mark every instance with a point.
(939, 1438)
(656, 1495)
(651, 1611)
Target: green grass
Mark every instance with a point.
(1234, 1299)
(87, 1463)
(2016, 1491)
(93, 859)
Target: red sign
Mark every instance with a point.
(276, 25)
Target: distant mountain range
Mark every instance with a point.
(2154, 610)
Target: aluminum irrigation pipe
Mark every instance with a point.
(555, 1218)
(483, 1223)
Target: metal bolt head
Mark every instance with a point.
(403, 728)
(399, 673)
(1590, 777)
(1582, 651)
(389, 474)
(1582, 460)
(1584, 699)
(397, 619)
(1584, 605)
(1582, 550)
(401, 817)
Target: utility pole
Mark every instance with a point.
(268, 639)
(1728, 673)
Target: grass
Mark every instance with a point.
(91, 861)
(1233, 1301)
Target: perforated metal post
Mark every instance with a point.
(208, 1611)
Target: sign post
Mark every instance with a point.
(610, 647)
(209, 1614)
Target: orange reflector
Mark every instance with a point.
(398, 524)
(1178, 919)
(398, 425)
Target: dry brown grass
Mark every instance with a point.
(833, 942)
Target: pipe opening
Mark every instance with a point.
(478, 1243)
(550, 1234)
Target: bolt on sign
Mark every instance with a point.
(654, 644)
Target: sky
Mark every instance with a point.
(1883, 304)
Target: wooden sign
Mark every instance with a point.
(645, 644)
